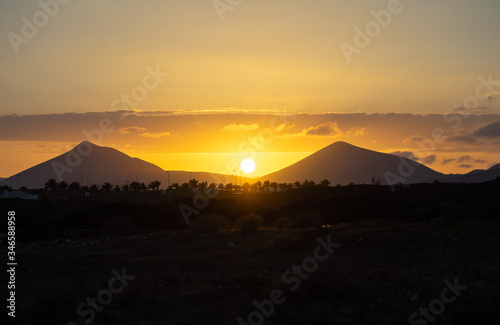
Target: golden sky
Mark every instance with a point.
(218, 75)
(215, 142)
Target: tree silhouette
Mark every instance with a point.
(107, 186)
(229, 186)
(174, 186)
(193, 183)
(94, 187)
(6, 188)
(155, 185)
(143, 187)
(283, 187)
(202, 186)
(51, 184)
(325, 183)
(274, 186)
(296, 184)
(308, 184)
(125, 187)
(266, 185)
(258, 185)
(74, 186)
(134, 186)
(220, 187)
(63, 185)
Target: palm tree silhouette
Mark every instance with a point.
(51, 184)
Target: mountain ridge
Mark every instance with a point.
(343, 163)
(88, 164)
(340, 163)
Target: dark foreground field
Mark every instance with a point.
(437, 263)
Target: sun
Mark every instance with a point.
(247, 165)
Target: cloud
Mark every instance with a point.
(491, 130)
(131, 129)
(460, 109)
(155, 134)
(464, 159)
(410, 155)
(327, 129)
(405, 154)
(468, 166)
(414, 138)
(462, 138)
(240, 127)
(356, 131)
(284, 126)
(429, 160)
(446, 161)
(469, 159)
(143, 132)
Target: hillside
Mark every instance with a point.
(343, 163)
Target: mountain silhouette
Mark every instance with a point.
(89, 164)
(343, 163)
(476, 176)
(340, 163)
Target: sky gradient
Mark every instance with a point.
(203, 69)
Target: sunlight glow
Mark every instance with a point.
(247, 165)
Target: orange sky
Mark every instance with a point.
(200, 84)
(218, 142)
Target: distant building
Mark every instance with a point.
(19, 195)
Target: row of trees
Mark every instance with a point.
(53, 184)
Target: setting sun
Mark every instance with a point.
(247, 165)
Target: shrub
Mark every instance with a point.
(249, 222)
(308, 219)
(208, 223)
(283, 223)
(287, 241)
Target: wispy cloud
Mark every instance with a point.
(326, 129)
(405, 154)
(240, 127)
(446, 161)
(356, 131)
(429, 160)
(491, 130)
(466, 138)
(143, 132)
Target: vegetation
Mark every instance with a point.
(209, 223)
(396, 250)
(266, 186)
(249, 222)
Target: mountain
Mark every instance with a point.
(476, 176)
(343, 163)
(92, 164)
